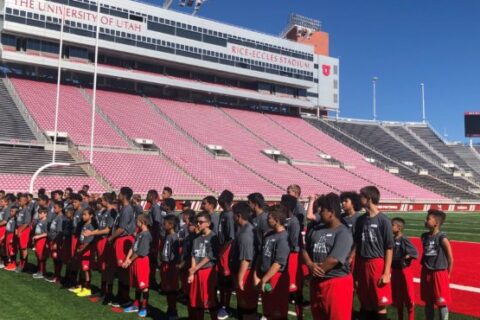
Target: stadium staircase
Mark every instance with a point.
(354, 136)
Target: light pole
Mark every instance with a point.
(374, 85)
(95, 73)
(422, 86)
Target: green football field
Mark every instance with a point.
(22, 297)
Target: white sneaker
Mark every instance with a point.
(222, 313)
(2, 265)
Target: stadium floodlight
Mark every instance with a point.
(422, 86)
(374, 85)
(181, 3)
(95, 73)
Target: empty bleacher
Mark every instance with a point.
(139, 119)
(390, 185)
(469, 155)
(21, 183)
(143, 172)
(432, 139)
(216, 126)
(12, 124)
(74, 112)
(355, 137)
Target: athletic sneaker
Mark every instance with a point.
(107, 300)
(121, 304)
(52, 280)
(11, 267)
(142, 313)
(18, 269)
(2, 265)
(75, 290)
(84, 293)
(38, 275)
(222, 313)
(172, 315)
(131, 309)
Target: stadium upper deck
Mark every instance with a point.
(156, 41)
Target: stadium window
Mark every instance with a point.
(136, 18)
(335, 84)
(335, 98)
(29, 15)
(335, 69)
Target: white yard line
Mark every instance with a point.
(457, 287)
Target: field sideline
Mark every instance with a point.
(26, 298)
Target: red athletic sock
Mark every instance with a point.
(411, 313)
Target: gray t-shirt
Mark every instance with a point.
(243, 248)
(86, 240)
(138, 210)
(141, 246)
(336, 243)
(275, 249)
(105, 220)
(187, 247)
(11, 225)
(300, 213)
(373, 236)
(125, 220)
(434, 256)
(57, 227)
(215, 224)
(226, 227)
(41, 227)
(206, 247)
(260, 223)
(171, 249)
(351, 221)
(293, 228)
(156, 218)
(24, 216)
(403, 247)
(4, 214)
(51, 213)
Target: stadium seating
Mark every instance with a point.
(12, 124)
(431, 138)
(143, 172)
(470, 156)
(137, 119)
(213, 126)
(352, 137)
(21, 183)
(74, 112)
(390, 185)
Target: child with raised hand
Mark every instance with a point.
(437, 265)
(403, 293)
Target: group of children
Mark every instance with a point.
(340, 246)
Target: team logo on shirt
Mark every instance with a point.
(267, 248)
(201, 252)
(368, 235)
(38, 228)
(430, 250)
(53, 226)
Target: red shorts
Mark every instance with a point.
(73, 245)
(66, 250)
(248, 298)
(55, 249)
(332, 299)
(140, 272)
(275, 302)
(368, 272)
(403, 290)
(105, 254)
(10, 244)
(122, 245)
(24, 238)
(223, 267)
(169, 277)
(85, 259)
(3, 230)
(295, 272)
(203, 289)
(41, 249)
(435, 287)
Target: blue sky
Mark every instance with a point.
(403, 42)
